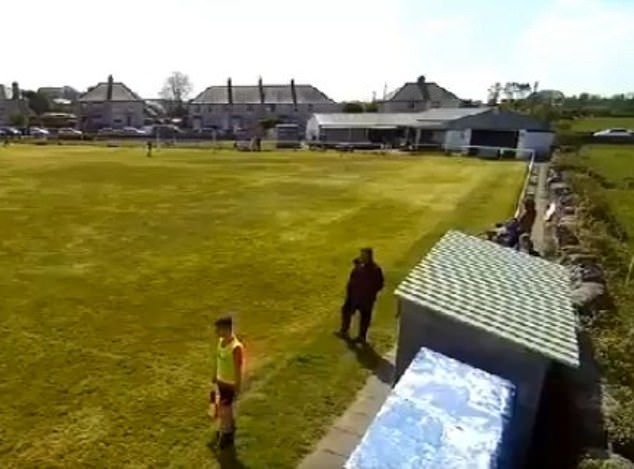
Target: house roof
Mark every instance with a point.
(99, 93)
(433, 118)
(520, 298)
(273, 94)
(423, 91)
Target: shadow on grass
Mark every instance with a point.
(227, 458)
(369, 359)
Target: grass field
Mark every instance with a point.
(594, 124)
(616, 164)
(113, 267)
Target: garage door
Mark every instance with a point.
(494, 138)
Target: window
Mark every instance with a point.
(272, 107)
(411, 105)
(249, 107)
(210, 108)
(310, 107)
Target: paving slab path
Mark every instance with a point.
(333, 450)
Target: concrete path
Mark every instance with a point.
(343, 437)
(541, 205)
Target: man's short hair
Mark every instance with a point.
(225, 322)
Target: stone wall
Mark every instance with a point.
(591, 298)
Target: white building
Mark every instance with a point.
(110, 104)
(447, 129)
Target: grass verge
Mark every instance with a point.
(601, 175)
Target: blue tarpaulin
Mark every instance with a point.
(441, 414)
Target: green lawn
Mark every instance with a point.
(593, 124)
(113, 267)
(616, 164)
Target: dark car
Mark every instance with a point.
(166, 131)
(10, 132)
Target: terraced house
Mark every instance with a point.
(11, 103)
(110, 104)
(237, 107)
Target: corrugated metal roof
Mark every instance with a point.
(273, 94)
(433, 118)
(450, 113)
(366, 120)
(520, 298)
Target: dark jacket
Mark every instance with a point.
(365, 282)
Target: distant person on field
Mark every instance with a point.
(365, 283)
(149, 148)
(228, 380)
(526, 245)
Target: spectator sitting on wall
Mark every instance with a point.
(526, 245)
(510, 233)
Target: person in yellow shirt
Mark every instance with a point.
(228, 379)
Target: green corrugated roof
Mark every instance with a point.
(521, 298)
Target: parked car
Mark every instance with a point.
(38, 132)
(133, 131)
(166, 131)
(67, 132)
(614, 133)
(105, 131)
(10, 132)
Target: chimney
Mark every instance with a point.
(229, 91)
(294, 93)
(422, 86)
(15, 90)
(261, 89)
(109, 88)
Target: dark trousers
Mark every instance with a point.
(365, 311)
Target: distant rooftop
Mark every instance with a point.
(520, 298)
(273, 94)
(99, 93)
(421, 90)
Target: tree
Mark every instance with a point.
(18, 120)
(38, 102)
(371, 107)
(494, 94)
(177, 87)
(353, 108)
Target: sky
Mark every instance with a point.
(349, 49)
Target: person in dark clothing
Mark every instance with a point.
(527, 216)
(365, 282)
(149, 148)
(526, 245)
